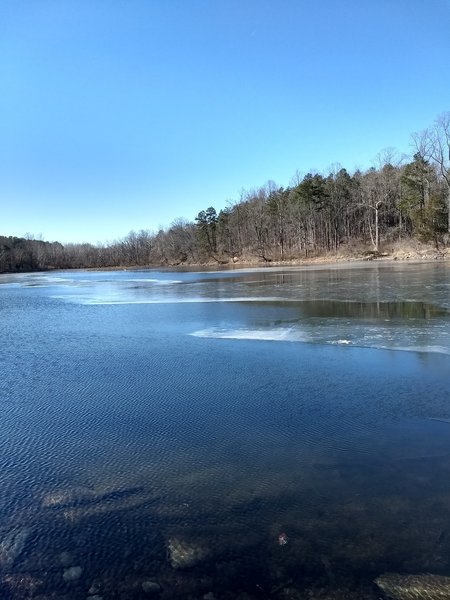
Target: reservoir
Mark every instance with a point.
(265, 433)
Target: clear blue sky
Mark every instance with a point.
(126, 114)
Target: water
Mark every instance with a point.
(166, 428)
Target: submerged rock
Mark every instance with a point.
(414, 587)
(66, 559)
(72, 573)
(22, 585)
(150, 587)
(183, 555)
(58, 498)
(12, 544)
(95, 588)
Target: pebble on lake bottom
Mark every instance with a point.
(283, 539)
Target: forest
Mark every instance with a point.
(401, 198)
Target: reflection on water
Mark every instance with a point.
(371, 310)
(138, 460)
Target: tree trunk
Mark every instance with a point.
(448, 208)
(377, 233)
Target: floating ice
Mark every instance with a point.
(124, 299)
(280, 334)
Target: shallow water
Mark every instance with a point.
(170, 426)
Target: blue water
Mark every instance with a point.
(168, 427)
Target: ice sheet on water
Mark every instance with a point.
(281, 334)
(155, 281)
(109, 299)
(331, 334)
(33, 280)
(420, 349)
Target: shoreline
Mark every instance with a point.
(399, 253)
(329, 260)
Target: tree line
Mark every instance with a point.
(399, 198)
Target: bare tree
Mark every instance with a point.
(434, 144)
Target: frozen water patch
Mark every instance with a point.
(155, 281)
(421, 349)
(27, 280)
(102, 300)
(278, 334)
(293, 334)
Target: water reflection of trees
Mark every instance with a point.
(368, 310)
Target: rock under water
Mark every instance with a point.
(12, 545)
(414, 587)
(183, 554)
(72, 573)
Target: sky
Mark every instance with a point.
(119, 115)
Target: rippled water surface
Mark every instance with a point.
(245, 434)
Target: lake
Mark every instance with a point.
(264, 433)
